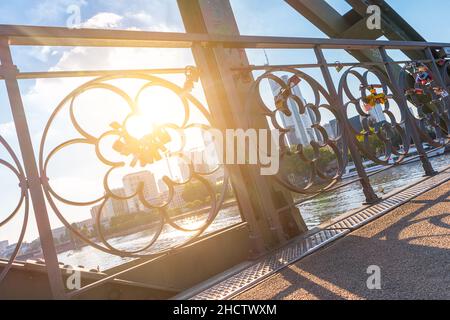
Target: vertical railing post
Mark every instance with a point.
(434, 67)
(411, 127)
(371, 196)
(436, 72)
(9, 72)
(226, 95)
(438, 77)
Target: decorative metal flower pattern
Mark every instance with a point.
(375, 91)
(146, 150)
(393, 134)
(318, 180)
(431, 101)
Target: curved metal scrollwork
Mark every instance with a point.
(132, 150)
(431, 101)
(318, 180)
(375, 94)
(23, 202)
(445, 73)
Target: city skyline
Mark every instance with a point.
(300, 125)
(155, 191)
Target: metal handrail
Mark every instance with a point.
(59, 36)
(92, 73)
(315, 65)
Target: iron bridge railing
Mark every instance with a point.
(412, 95)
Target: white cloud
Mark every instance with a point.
(104, 20)
(7, 130)
(141, 16)
(50, 11)
(41, 53)
(46, 93)
(155, 15)
(148, 22)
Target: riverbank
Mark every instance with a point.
(91, 257)
(146, 227)
(185, 215)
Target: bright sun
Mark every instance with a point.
(157, 106)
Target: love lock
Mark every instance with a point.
(374, 98)
(147, 150)
(285, 93)
(413, 91)
(338, 66)
(424, 76)
(192, 76)
(441, 62)
(441, 92)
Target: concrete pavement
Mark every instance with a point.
(411, 245)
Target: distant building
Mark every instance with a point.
(329, 129)
(116, 207)
(355, 122)
(104, 214)
(59, 233)
(333, 129)
(25, 248)
(131, 183)
(8, 251)
(88, 223)
(376, 114)
(300, 125)
(95, 212)
(375, 120)
(3, 245)
(199, 162)
(177, 200)
(183, 167)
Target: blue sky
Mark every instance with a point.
(255, 17)
(267, 16)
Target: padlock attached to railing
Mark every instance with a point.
(284, 94)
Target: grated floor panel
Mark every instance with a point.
(295, 251)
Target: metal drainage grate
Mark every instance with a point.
(254, 274)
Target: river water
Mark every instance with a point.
(314, 212)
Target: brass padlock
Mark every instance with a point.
(339, 66)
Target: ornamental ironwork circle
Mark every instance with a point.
(133, 151)
(318, 180)
(431, 101)
(375, 91)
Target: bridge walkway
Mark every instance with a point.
(410, 245)
(406, 235)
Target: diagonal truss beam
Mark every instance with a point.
(352, 25)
